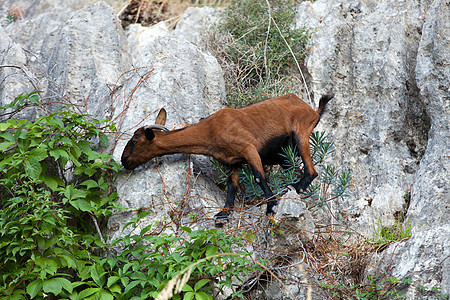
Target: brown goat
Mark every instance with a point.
(252, 134)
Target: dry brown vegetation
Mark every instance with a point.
(150, 12)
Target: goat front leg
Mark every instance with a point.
(232, 185)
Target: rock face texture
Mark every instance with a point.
(377, 109)
(189, 85)
(65, 56)
(387, 62)
(429, 210)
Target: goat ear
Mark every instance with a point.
(161, 118)
(149, 134)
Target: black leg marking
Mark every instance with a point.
(304, 182)
(222, 216)
(306, 179)
(267, 191)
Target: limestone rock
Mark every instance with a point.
(430, 195)
(174, 74)
(424, 257)
(388, 65)
(75, 57)
(194, 22)
(191, 27)
(295, 222)
(377, 110)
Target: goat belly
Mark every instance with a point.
(228, 157)
(271, 152)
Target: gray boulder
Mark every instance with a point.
(430, 194)
(174, 74)
(295, 223)
(75, 58)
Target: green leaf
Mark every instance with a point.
(187, 229)
(66, 140)
(187, 288)
(58, 122)
(130, 286)
(115, 289)
(33, 168)
(84, 145)
(90, 183)
(72, 193)
(33, 97)
(57, 153)
(15, 296)
(199, 284)
(211, 250)
(189, 296)
(52, 182)
(66, 284)
(104, 295)
(69, 261)
(4, 126)
(87, 292)
(76, 152)
(124, 281)
(34, 288)
(112, 280)
(92, 155)
(39, 153)
(4, 146)
(97, 274)
(203, 296)
(53, 286)
(7, 136)
(104, 139)
(82, 205)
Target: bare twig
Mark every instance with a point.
(24, 71)
(269, 11)
(97, 228)
(296, 61)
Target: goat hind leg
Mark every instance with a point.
(261, 180)
(309, 172)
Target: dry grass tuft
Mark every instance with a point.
(338, 258)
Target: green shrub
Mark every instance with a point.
(55, 191)
(46, 236)
(158, 259)
(259, 48)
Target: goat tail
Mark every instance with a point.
(323, 102)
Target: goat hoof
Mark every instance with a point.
(221, 219)
(270, 210)
(291, 188)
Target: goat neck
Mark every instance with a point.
(193, 139)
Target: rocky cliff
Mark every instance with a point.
(388, 64)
